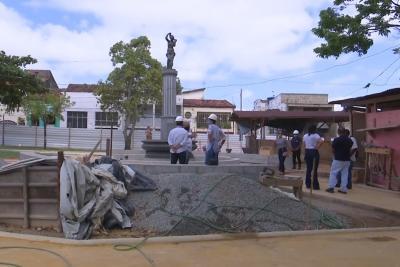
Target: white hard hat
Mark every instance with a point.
(179, 119)
(213, 117)
(295, 132)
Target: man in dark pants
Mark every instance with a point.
(312, 142)
(296, 149)
(177, 139)
(353, 158)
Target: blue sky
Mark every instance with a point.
(259, 46)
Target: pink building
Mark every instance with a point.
(375, 122)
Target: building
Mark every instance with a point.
(294, 102)
(86, 111)
(375, 123)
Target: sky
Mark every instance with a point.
(261, 47)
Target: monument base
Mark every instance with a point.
(156, 148)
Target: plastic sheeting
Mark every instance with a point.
(92, 198)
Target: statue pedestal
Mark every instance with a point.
(160, 148)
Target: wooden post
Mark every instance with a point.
(25, 193)
(60, 161)
(108, 147)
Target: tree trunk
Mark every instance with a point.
(128, 135)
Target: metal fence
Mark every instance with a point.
(65, 137)
(78, 138)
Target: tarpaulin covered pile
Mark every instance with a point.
(94, 197)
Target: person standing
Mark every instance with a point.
(189, 142)
(353, 158)
(341, 148)
(312, 142)
(282, 147)
(296, 149)
(215, 140)
(149, 133)
(177, 139)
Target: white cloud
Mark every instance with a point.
(252, 37)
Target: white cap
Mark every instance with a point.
(213, 117)
(295, 132)
(179, 119)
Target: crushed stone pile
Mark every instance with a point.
(193, 204)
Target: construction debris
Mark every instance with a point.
(94, 198)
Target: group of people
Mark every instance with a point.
(344, 149)
(180, 141)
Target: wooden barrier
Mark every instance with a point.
(28, 196)
(288, 180)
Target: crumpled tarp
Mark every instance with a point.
(92, 198)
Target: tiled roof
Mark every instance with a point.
(81, 88)
(201, 103)
(46, 76)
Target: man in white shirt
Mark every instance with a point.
(177, 139)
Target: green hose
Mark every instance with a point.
(62, 258)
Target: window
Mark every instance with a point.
(76, 119)
(223, 119)
(106, 119)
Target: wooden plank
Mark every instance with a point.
(371, 129)
(60, 161)
(378, 150)
(25, 194)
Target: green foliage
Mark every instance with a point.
(9, 154)
(135, 82)
(179, 87)
(45, 107)
(15, 83)
(348, 26)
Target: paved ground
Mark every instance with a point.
(379, 248)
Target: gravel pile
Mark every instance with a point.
(190, 204)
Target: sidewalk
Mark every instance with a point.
(370, 248)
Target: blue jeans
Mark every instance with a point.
(281, 159)
(343, 168)
(349, 179)
(312, 161)
(211, 157)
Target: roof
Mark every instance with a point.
(201, 103)
(46, 76)
(388, 95)
(194, 90)
(81, 88)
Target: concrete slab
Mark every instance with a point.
(359, 248)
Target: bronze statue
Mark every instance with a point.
(170, 52)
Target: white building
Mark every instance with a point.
(86, 113)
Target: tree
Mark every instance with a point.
(135, 82)
(346, 33)
(15, 83)
(45, 107)
(179, 87)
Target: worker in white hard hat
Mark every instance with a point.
(215, 140)
(295, 144)
(177, 139)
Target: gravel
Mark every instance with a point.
(191, 204)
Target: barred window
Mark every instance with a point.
(223, 119)
(76, 119)
(106, 119)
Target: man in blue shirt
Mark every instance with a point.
(177, 139)
(341, 148)
(216, 139)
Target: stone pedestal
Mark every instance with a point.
(169, 102)
(160, 148)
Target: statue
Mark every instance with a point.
(170, 52)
